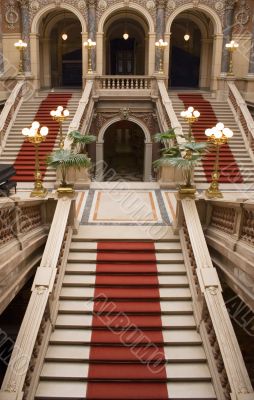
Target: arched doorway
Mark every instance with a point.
(124, 147)
(60, 60)
(125, 56)
(191, 54)
(185, 54)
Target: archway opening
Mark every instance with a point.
(60, 60)
(126, 56)
(124, 147)
(191, 50)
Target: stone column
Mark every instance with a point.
(92, 28)
(160, 28)
(251, 60)
(1, 46)
(148, 162)
(99, 162)
(25, 34)
(227, 33)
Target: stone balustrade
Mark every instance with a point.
(242, 114)
(9, 112)
(119, 82)
(23, 232)
(37, 319)
(231, 380)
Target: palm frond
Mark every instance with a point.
(162, 136)
(177, 162)
(77, 137)
(196, 147)
(68, 159)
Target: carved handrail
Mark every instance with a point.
(167, 103)
(8, 113)
(80, 121)
(233, 218)
(18, 217)
(215, 309)
(242, 114)
(128, 82)
(43, 286)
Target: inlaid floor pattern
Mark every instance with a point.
(125, 327)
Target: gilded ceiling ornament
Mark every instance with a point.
(171, 5)
(11, 15)
(150, 4)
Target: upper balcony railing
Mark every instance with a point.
(124, 82)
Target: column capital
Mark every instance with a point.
(91, 3)
(230, 4)
(161, 3)
(24, 3)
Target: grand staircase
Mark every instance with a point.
(236, 163)
(15, 152)
(125, 327)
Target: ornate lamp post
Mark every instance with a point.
(161, 45)
(218, 136)
(90, 45)
(60, 115)
(231, 47)
(21, 46)
(191, 116)
(36, 137)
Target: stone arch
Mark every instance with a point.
(50, 7)
(131, 119)
(211, 50)
(202, 7)
(147, 155)
(133, 6)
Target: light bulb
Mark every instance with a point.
(208, 132)
(66, 113)
(52, 113)
(125, 36)
(183, 114)
(64, 36)
(218, 134)
(60, 108)
(190, 109)
(44, 131)
(186, 37)
(35, 125)
(220, 126)
(25, 131)
(196, 113)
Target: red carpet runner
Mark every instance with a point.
(230, 172)
(127, 359)
(24, 163)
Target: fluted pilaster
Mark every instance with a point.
(227, 33)
(25, 33)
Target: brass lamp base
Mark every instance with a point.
(39, 192)
(213, 193)
(187, 191)
(65, 190)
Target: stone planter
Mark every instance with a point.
(79, 178)
(170, 177)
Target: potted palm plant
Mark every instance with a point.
(80, 178)
(180, 156)
(63, 160)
